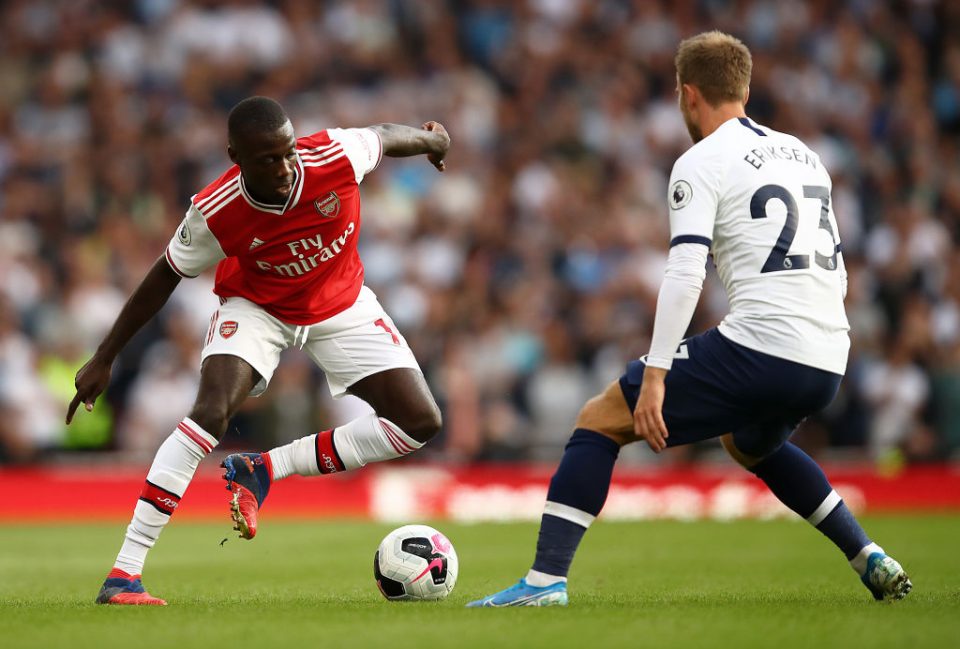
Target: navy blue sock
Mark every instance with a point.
(577, 492)
(801, 485)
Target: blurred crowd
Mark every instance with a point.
(524, 277)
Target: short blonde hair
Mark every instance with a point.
(718, 64)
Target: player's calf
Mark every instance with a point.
(576, 495)
(345, 448)
(800, 484)
(366, 439)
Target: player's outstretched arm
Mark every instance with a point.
(400, 141)
(146, 301)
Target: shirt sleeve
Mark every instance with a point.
(679, 294)
(194, 248)
(693, 197)
(362, 147)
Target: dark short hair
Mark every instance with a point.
(255, 115)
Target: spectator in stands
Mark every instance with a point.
(551, 211)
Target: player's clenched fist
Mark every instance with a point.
(442, 144)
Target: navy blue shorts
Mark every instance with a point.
(718, 387)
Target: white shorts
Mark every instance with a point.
(349, 346)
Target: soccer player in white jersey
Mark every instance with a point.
(281, 225)
(759, 201)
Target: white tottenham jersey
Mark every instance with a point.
(760, 200)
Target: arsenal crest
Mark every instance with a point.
(328, 206)
(228, 328)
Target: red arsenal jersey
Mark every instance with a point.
(298, 261)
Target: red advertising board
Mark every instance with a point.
(408, 491)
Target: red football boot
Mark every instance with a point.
(248, 479)
(123, 589)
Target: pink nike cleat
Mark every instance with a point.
(126, 590)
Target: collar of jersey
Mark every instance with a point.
(292, 199)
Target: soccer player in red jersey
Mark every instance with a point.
(282, 226)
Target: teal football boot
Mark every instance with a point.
(523, 594)
(885, 578)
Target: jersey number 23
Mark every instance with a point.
(779, 259)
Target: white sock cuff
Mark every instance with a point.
(568, 513)
(399, 440)
(196, 436)
(299, 457)
(541, 579)
(828, 505)
(859, 562)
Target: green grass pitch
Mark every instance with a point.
(775, 585)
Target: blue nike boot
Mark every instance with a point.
(523, 594)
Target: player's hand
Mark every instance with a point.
(443, 144)
(91, 381)
(648, 421)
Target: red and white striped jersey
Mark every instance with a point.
(299, 261)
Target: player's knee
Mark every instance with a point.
(744, 460)
(589, 415)
(595, 416)
(421, 423)
(211, 415)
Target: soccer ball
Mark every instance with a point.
(415, 562)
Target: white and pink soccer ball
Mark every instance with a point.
(415, 562)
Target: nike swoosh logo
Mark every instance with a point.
(435, 563)
(520, 601)
(526, 600)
